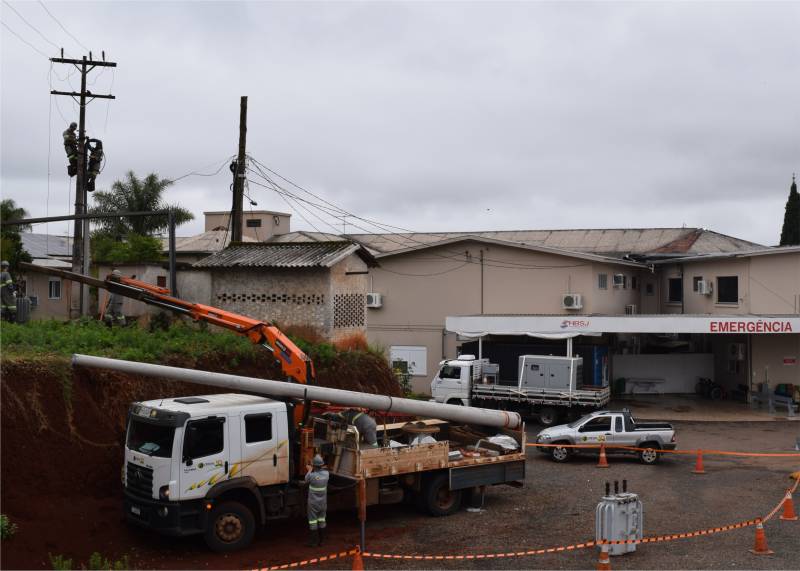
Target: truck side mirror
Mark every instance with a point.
(187, 460)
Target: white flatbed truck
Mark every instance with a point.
(547, 387)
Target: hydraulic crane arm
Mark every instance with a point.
(293, 361)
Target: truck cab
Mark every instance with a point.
(185, 457)
(453, 382)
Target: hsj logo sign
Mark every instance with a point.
(574, 323)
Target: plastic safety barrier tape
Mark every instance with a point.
(687, 452)
(533, 552)
(310, 561)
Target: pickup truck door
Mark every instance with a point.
(204, 455)
(596, 430)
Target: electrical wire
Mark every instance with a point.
(77, 41)
(454, 255)
(424, 275)
(195, 173)
(343, 214)
(32, 27)
(24, 41)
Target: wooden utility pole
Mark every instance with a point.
(240, 174)
(80, 240)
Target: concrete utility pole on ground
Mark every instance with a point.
(239, 175)
(80, 240)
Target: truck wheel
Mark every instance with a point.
(440, 500)
(231, 526)
(548, 416)
(650, 454)
(455, 402)
(559, 454)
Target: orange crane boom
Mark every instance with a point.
(293, 361)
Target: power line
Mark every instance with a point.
(32, 27)
(77, 41)
(195, 173)
(454, 255)
(24, 41)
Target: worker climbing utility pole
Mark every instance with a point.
(80, 239)
(239, 175)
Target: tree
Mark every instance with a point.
(136, 195)
(790, 235)
(10, 241)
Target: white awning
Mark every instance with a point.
(567, 326)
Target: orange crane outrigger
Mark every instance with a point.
(294, 363)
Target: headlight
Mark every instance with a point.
(163, 492)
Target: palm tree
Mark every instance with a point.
(10, 241)
(136, 195)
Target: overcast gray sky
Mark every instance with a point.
(430, 116)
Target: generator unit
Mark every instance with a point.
(550, 372)
(619, 516)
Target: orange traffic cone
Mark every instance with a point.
(603, 463)
(358, 562)
(760, 547)
(698, 467)
(603, 562)
(788, 508)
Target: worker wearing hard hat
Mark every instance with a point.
(317, 481)
(71, 148)
(8, 298)
(113, 315)
(365, 424)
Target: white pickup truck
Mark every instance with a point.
(610, 428)
(546, 387)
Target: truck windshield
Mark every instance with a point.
(575, 423)
(150, 439)
(450, 372)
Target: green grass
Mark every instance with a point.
(7, 528)
(46, 338)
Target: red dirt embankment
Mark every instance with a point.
(62, 436)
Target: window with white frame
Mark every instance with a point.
(54, 288)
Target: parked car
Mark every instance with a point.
(611, 428)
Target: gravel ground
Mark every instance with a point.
(557, 507)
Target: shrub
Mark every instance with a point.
(99, 563)
(7, 529)
(60, 563)
(354, 342)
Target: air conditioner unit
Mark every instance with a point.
(374, 300)
(736, 351)
(572, 301)
(705, 287)
(619, 280)
(630, 309)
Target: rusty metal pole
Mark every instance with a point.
(362, 511)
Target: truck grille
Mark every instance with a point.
(139, 480)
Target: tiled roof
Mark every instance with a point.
(207, 242)
(291, 255)
(606, 242)
(45, 246)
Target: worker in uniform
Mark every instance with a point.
(8, 298)
(71, 148)
(365, 424)
(114, 315)
(317, 481)
(95, 160)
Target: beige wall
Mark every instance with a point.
(775, 284)
(272, 223)
(420, 289)
(770, 351)
(768, 284)
(147, 273)
(38, 285)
